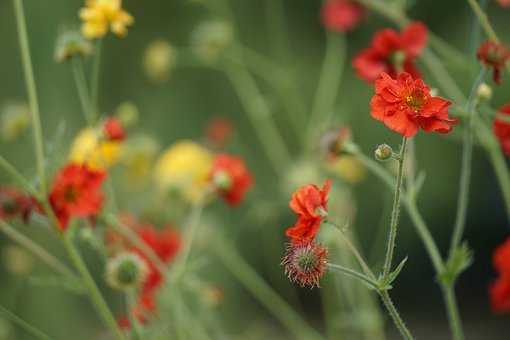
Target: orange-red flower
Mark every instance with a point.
(310, 203)
(405, 105)
(231, 178)
(76, 193)
(14, 203)
(499, 291)
(502, 129)
(494, 55)
(113, 129)
(392, 52)
(342, 15)
(504, 3)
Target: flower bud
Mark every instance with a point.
(14, 120)
(222, 180)
(383, 152)
(484, 92)
(210, 39)
(126, 271)
(305, 263)
(158, 61)
(71, 44)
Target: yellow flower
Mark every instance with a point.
(348, 168)
(100, 15)
(184, 166)
(138, 158)
(89, 148)
(158, 60)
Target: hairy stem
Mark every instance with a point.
(395, 316)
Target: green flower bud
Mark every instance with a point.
(383, 152)
(126, 271)
(71, 44)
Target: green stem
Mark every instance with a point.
(395, 213)
(397, 320)
(259, 114)
(453, 312)
(94, 87)
(329, 83)
(466, 166)
(94, 293)
(484, 20)
(248, 277)
(32, 92)
(39, 252)
(36, 333)
(18, 178)
(352, 273)
(135, 325)
(81, 86)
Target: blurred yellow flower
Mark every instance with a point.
(158, 60)
(89, 148)
(14, 120)
(184, 166)
(348, 168)
(100, 15)
(138, 158)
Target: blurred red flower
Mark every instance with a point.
(76, 192)
(499, 292)
(502, 129)
(392, 52)
(310, 204)
(342, 15)
(231, 178)
(504, 3)
(218, 131)
(113, 129)
(405, 105)
(501, 258)
(494, 55)
(14, 203)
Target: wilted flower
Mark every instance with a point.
(342, 15)
(14, 203)
(405, 105)
(71, 44)
(310, 204)
(209, 40)
(494, 55)
(158, 60)
(91, 148)
(185, 167)
(101, 15)
(76, 192)
(14, 120)
(502, 129)
(305, 263)
(392, 52)
(231, 178)
(126, 270)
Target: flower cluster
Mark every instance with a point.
(500, 289)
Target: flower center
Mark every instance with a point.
(70, 194)
(415, 101)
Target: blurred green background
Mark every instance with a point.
(180, 109)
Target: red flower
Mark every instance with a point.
(494, 55)
(231, 178)
(113, 129)
(310, 204)
(76, 192)
(342, 15)
(502, 129)
(14, 203)
(499, 293)
(504, 3)
(218, 131)
(405, 105)
(392, 53)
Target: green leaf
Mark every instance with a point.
(71, 285)
(460, 259)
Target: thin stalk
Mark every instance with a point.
(18, 178)
(395, 213)
(94, 293)
(251, 280)
(94, 86)
(135, 325)
(35, 249)
(466, 166)
(352, 273)
(81, 86)
(259, 114)
(32, 92)
(452, 310)
(329, 83)
(33, 331)
(397, 320)
(484, 20)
